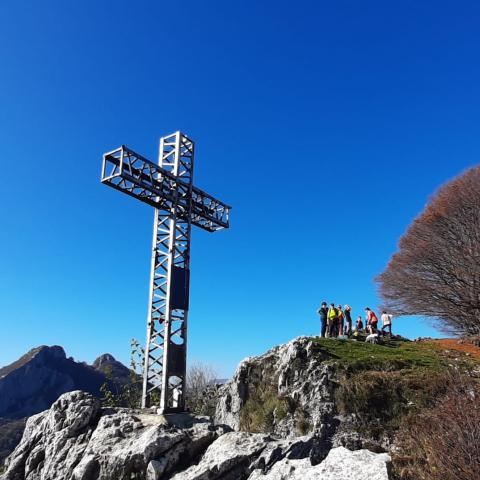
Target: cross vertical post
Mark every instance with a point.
(165, 351)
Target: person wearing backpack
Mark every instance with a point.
(323, 312)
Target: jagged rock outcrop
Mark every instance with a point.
(78, 440)
(229, 457)
(293, 389)
(236, 455)
(343, 392)
(298, 382)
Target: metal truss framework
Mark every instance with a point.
(178, 204)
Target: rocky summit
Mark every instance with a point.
(313, 408)
(76, 439)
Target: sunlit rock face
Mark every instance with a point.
(340, 464)
(76, 439)
(296, 372)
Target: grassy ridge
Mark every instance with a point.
(381, 385)
(378, 385)
(394, 355)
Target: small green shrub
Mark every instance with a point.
(262, 408)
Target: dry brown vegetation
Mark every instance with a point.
(436, 271)
(443, 442)
(466, 347)
(200, 378)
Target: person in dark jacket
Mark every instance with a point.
(348, 319)
(359, 324)
(323, 312)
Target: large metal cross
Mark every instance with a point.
(168, 187)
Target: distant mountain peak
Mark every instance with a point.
(104, 359)
(112, 368)
(43, 351)
(34, 381)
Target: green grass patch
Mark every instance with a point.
(395, 355)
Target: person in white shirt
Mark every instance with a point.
(386, 323)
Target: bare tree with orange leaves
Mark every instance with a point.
(436, 271)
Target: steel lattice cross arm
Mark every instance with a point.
(168, 187)
(142, 179)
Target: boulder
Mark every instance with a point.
(340, 464)
(236, 454)
(228, 458)
(55, 439)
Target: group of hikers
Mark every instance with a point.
(336, 321)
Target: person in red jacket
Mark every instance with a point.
(371, 320)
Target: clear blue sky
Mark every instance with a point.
(326, 125)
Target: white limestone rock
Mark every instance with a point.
(297, 371)
(340, 464)
(228, 458)
(54, 440)
(77, 440)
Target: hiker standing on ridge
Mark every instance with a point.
(331, 320)
(340, 318)
(348, 318)
(371, 320)
(323, 312)
(386, 323)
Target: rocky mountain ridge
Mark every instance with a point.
(33, 382)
